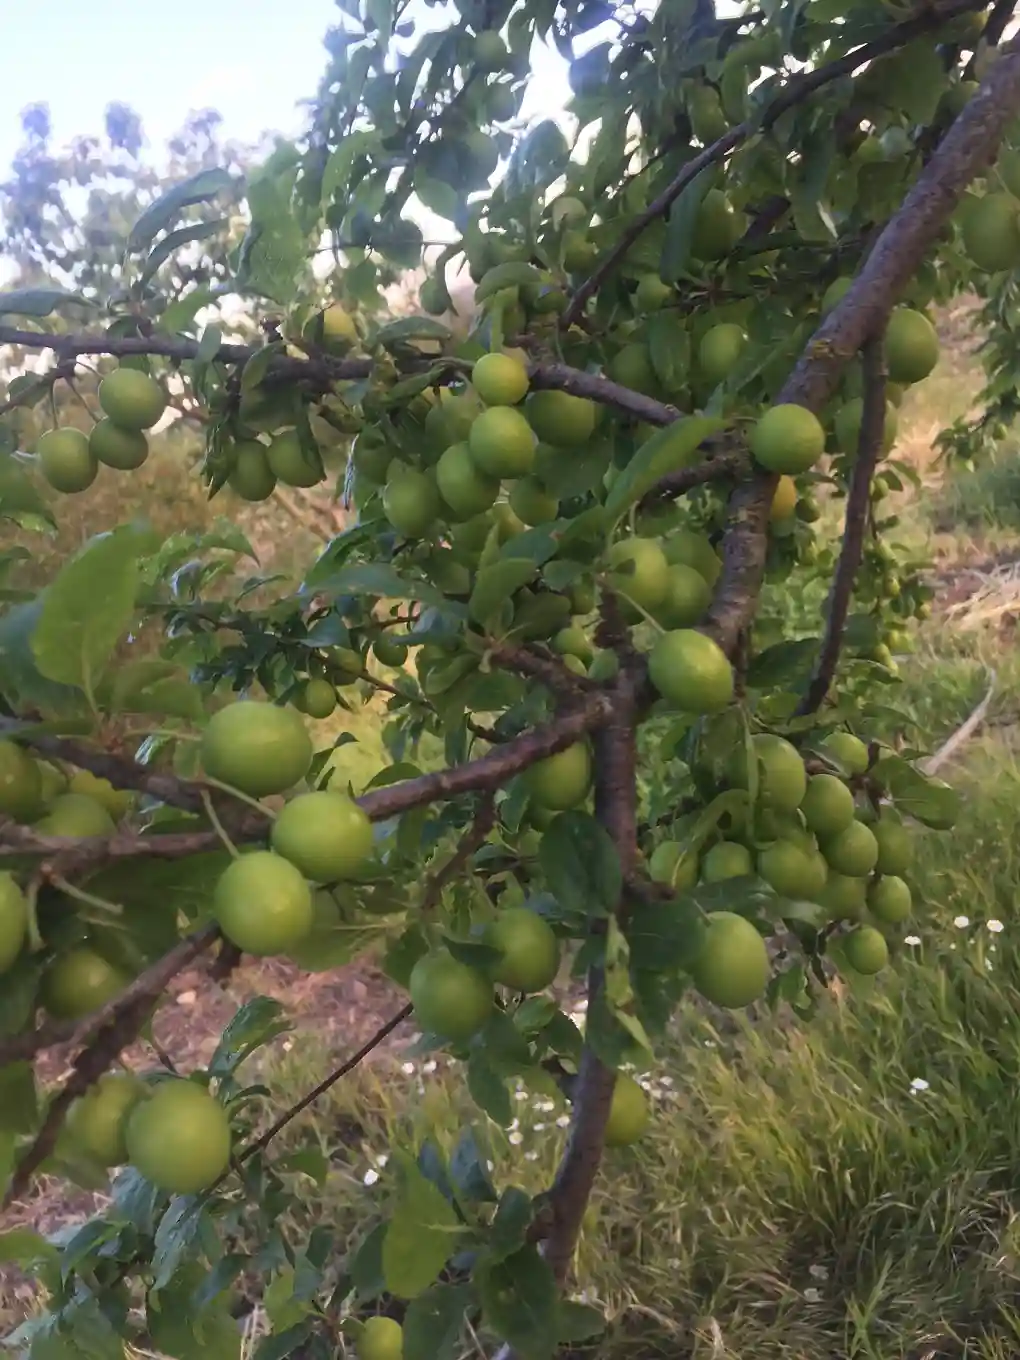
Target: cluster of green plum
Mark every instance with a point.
(811, 838)
(132, 403)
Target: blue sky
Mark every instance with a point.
(251, 59)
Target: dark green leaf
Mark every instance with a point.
(19, 1105)
(38, 301)
(520, 1301)
(580, 863)
(412, 328)
(277, 1346)
(577, 1322)
(25, 1247)
(496, 583)
(469, 1171)
(676, 250)
(202, 187)
(930, 800)
(183, 236)
(665, 935)
(510, 1223)
(433, 1322)
(488, 1089)
(256, 1023)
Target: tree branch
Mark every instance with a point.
(968, 147)
(112, 1028)
(472, 839)
(321, 372)
(799, 88)
(145, 988)
(615, 808)
(724, 466)
(869, 450)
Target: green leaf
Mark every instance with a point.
(619, 992)
(153, 686)
(433, 1322)
(274, 250)
(256, 1023)
(202, 187)
(367, 1264)
(177, 1328)
(496, 583)
(676, 248)
(469, 1171)
(488, 1089)
(87, 610)
(38, 301)
(577, 1322)
(668, 450)
(665, 935)
(375, 580)
(520, 1302)
(931, 801)
(176, 1237)
(24, 1247)
(276, 1347)
(421, 1235)
(18, 493)
(510, 1224)
(179, 315)
(580, 863)
(413, 328)
(183, 236)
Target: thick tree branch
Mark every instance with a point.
(106, 1035)
(968, 148)
(145, 988)
(799, 89)
(869, 450)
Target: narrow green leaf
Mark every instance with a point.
(258, 1022)
(199, 188)
(668, 450)
(183, 236)
(38, 302)
(676, 249)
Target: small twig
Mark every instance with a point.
(313, 1095)
(869, 450)
(963, 733)
(474, 836)
(799, 88)
(721, 467)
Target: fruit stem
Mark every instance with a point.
(80, 895)
(218, 826)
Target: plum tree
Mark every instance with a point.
(577, 525)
